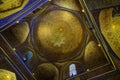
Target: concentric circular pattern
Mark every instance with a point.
(46, 71)
(58, 35)
(110, 28)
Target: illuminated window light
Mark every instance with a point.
(72, 70)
